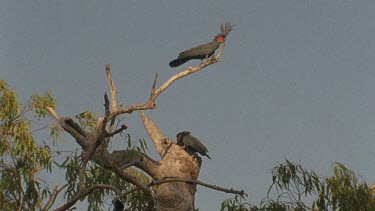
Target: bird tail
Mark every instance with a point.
(177, 62)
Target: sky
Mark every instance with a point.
(295, 81)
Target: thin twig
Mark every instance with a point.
(54, 192)
(38, 129)
(122, 128)
(154, 85)
(57, 193)
(129, 192)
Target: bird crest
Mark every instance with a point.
(225, 29)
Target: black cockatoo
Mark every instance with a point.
(203, 51)
(118, 206)
(191, 143)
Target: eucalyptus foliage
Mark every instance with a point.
(24, 158)
(299, 189)
(21, 158)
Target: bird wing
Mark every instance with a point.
(197, 144)
(199, 51)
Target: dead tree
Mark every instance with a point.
(175, 174)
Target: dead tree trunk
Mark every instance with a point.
(175, 163)
(175, 173)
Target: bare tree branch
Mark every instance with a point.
(188, 71)
(122, 128)
(111, 85)
(147, 192)
(168, 180)
(50, 200)
(154, 85)
(215, 187)
(106, 115)
(129, 192)
(82, 171)
(217, 57)
(86, 192)
(53, 112)
(148, 165)
(107, 110)
(154, 132)
(151, 104)
(90, 143)
(75, 126)
(68, 125)
(57, 193)
(113, 98)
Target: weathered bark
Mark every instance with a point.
(175, 163)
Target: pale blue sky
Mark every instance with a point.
(296, 80)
